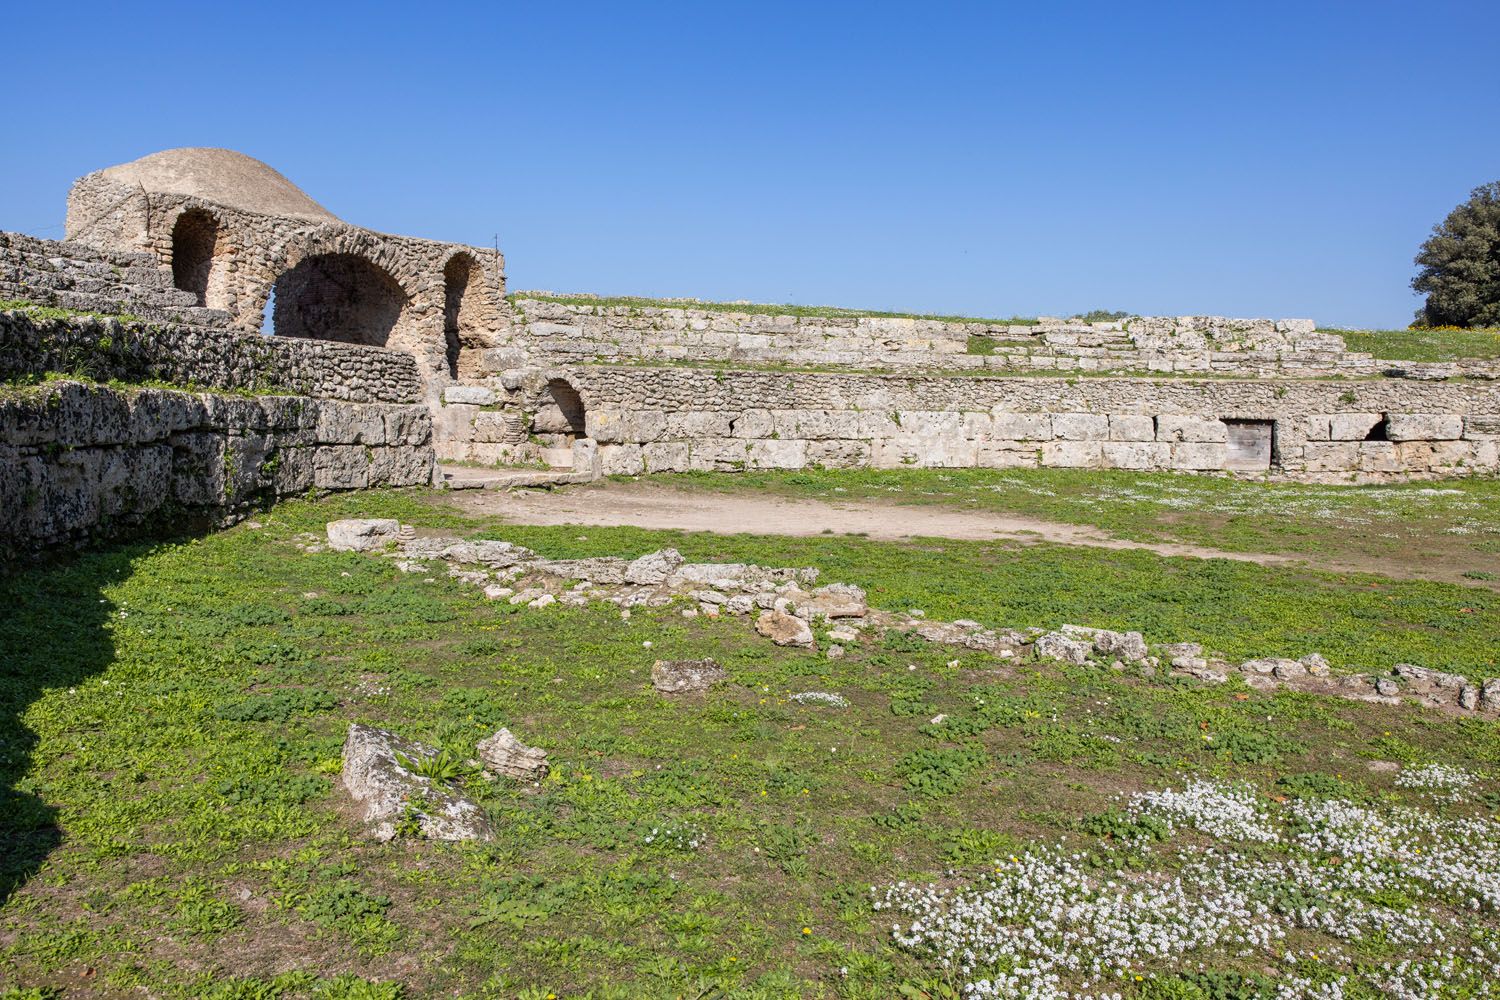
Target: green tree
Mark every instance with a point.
(1459, 265)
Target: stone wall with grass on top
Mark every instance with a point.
(569, 331)
(79, 460)
(33, 344)
(677, 419)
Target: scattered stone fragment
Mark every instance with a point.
(784, 629)
(845, 634)
(652, 568)
(494, 591)
(1386, 687)
(384, 789)
(504, 754)
(1316, 665)
(362, 534)
(1061, 646)
(740, 604)
(835, 652)
(837, 600)
(542, 601)
(527, 596)
(682, 676)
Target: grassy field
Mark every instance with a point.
(1456, 522)
(173, 713)
(1424, 345)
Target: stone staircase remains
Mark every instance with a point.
(80, 278)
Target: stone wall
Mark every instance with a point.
(79, 461)
(567, 333)
(676, 419)
(107, 349)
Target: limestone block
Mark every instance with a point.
(978, 425)
(1334, 456)
(198, 468)
(838, 454)
(1378, 456)
(1131, 427)
(350, 423)
(816, 424)
(504, 754)
(777, 454)
(400, 466)
(384, 788)
(998, 455)
(621, 459)
(753, 424)
(666, 456)
(1199, 455)
(341, 467)
(1136, 454)
(1023, 426)
(1072, 454)
(1424, 426)
(1482, 426)
(1080, 426)
(784, 629)
(499, 426)
(1317, 427)
(1352, 426)
(293, 472)
(698, 424)
(362, 534)
(156, 414)
(1451, 455)
(1176, 428)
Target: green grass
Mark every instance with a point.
(754, 308)
(171, 716)
(1424, 345)
(1452, 523)
(43, 312)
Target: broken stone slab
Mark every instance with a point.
(652, 569)
(683, 676)
(1061, 646)
(784, 629)
(845, 634)
(362, 534)
(501, 554)
(1128, 646)
(837, 600)
(504, 754)
(972, 636)
(384, 789)
(1172, 650)
(1271, 664)
(599, 569)
(1316, 665)
(740, 604)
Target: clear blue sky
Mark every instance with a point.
(1249, 159)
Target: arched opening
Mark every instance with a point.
(337, 296)
(195, 236)
(464, 316)
(560, 413)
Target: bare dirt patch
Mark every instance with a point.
(643, 505)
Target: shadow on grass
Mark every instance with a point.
(53, 635)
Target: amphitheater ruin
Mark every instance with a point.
(219, 338)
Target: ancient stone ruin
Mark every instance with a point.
(286, 350)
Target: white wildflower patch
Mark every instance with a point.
(831, 699)
(1225, 811)
(1301, 889)
(1440, 780)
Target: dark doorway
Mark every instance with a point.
(195, 236)
(337, 296)
(462, 311)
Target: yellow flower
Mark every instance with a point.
(806, 931)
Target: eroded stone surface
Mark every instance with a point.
(504, 754)
(384, 789)
(684, 676)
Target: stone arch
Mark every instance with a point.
(561, 412)
(195, 244)
(337, 296)
(467, 318)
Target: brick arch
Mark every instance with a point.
(197, 246)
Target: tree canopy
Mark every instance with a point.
(1459, 265)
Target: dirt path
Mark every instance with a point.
(661, 507)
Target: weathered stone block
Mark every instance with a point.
(1424, 426)
(1176, 428)
(1352, 426)
(1334, 456)
(666, 456)
(1479, 426)
(1199, 455)
(1080, 426)
(1136, 454)
(1023, 426)
(1131, 427)
(1072, 454)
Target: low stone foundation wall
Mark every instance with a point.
(79, 461)
(569, 333)
(676, 419)
(108, 349)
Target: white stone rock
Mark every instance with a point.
(383, 789)
(784, 629)
(362, 534)
(506, 755)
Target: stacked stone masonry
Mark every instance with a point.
(570, 333)
(80, 460)
(676, 419)
(106, 349)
